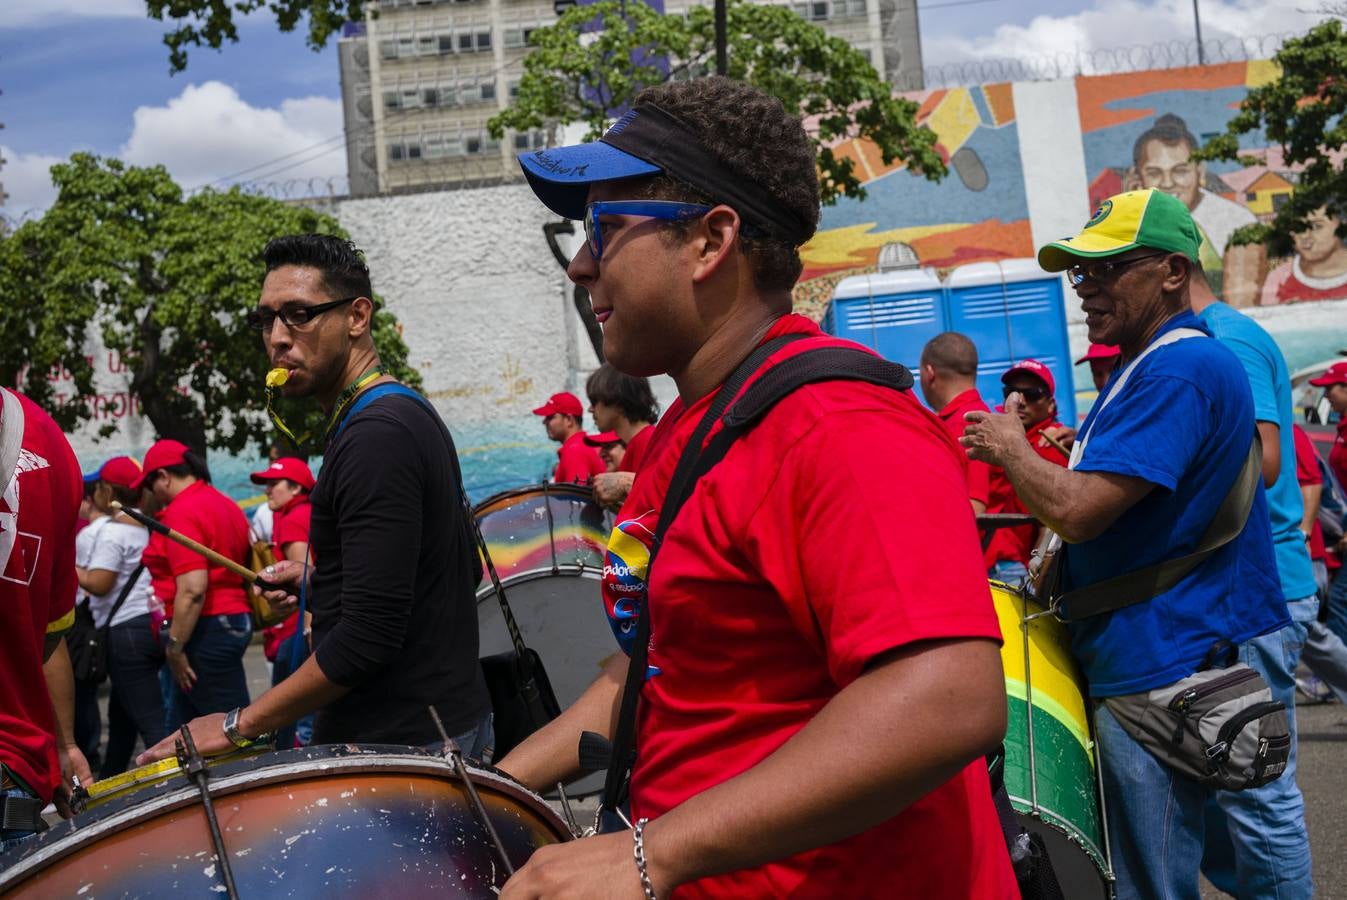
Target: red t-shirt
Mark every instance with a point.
(577, 462)
(38, 516)
(289, 525)
(1337, 457)
(978, 474)
(1018, 543)
(802, 555)
(636, 450)
(208, 517)
(1307, 473)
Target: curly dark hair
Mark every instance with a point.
(630, 394)
(754, 136)
(343, 266)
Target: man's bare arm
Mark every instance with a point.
(1270, 434)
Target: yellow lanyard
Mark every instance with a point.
(346, 396)
(279, 376)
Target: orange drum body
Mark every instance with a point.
(328, 821)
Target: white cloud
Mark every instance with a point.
(26, 13)
(1111, 24)
(27, 181)
(208, 133)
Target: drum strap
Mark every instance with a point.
(698, 458)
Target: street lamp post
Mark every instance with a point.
(1197, 25)
(722, 57)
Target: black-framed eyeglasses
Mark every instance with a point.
(1030, 395)
(1105, 270)
(652, 209)
(294, 315)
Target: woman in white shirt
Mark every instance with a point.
(136, 704)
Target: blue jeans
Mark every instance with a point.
(1008, 571)
(215, 652)
(300, 733)
(1336, 620)
(1257, 844)
(1154, 817)
(134, 662)
(478, 741)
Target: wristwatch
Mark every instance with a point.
(231, 729)
(172, 645)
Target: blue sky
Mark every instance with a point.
(93, 75)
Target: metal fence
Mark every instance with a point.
(1101, 61)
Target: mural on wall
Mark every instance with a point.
(977, 213)
(1139, 131)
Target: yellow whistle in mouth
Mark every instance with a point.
(277, 377)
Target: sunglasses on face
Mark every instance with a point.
(294, 315)
(1105, 270)
(667, 210)
(1030, 395)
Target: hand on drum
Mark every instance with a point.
(587, 869)
(994, 437)
(73, 765)
(288, 573)
(207, 733)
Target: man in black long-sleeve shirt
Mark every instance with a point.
(394, 567)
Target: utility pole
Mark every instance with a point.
(1197, 25)
(722, 56)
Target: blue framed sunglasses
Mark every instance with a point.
(669, 210)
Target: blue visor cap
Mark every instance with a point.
(648, 141)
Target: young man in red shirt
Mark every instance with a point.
(1334, 383)
(625, 406)
(577, 462)
(949, 371)
(39, 507)
(1007, 556)
(818, 607)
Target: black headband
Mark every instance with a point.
(651, 134)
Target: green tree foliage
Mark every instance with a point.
(574, 75)
(209, 23)
(167, 281)
(1302, 111)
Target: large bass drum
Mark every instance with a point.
(1050, 759)
(332, 821)
(548, 543)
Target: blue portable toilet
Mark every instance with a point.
(895, 313)
(1013, 310)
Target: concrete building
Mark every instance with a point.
(421, 78)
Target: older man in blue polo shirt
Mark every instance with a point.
(1154, 460)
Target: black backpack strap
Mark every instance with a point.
(680, 488)
(822, 364)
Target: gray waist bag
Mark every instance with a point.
(1219, 727)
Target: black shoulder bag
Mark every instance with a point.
(823, 364)
(89, 645)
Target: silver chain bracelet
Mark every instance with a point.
(638, 850)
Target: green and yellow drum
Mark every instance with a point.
(1050, 759)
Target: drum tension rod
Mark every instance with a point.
(191, 762)
(455, 757)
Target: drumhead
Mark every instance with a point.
(368, 820)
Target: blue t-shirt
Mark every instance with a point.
(1271, 383)
(1184, 422)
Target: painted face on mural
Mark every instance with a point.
(1320, 240)
(1170, 168)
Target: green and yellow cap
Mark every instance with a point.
(1149, 218)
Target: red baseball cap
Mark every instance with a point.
(565, 403)
(603, 437)
(289, 468)
(1035, 368)
(1100, 351)
(164, 453)
(122, 471)
(1336, 374)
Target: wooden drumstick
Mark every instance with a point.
(1061, 448)
(214, 556)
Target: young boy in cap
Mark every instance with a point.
(577, 462)
(802, 615)
(1155, 459)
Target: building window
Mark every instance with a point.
(851, 7)
(813, 11)
(395, 151)
(488, 90)
(514, 38)
(388, 49)
(465, 43)
(514, 90)
(446, 43)
(483, 40)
